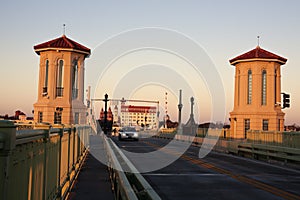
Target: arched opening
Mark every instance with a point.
(45, 86)
(75, 80)
(264, 88)
(59, 78)
(249, 92)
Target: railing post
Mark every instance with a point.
(74, 138)
(45, 127)
(7, 145)
(68, 163)
(59, 188)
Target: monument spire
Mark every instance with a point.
(190, 127)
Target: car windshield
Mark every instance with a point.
(129, 129)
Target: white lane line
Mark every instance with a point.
(126, 146)
(160, 174)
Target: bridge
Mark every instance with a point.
(75, 162)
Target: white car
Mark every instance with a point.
(128, 133)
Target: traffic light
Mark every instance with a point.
(286, 100)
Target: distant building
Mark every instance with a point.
(169, 123)
(61, 82)
(293, 127)
(217, 125)
(19, 115)
(257, 93)
(144, 116)
(20, 119)
(109, 120)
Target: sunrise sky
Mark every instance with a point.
(221, 29)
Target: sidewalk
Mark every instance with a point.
(93, 180)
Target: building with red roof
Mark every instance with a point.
(144, 116)
(257, 93)
(61, 82)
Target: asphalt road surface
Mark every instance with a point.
(217, 176)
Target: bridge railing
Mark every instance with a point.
(261, 145)
(127, 182)
(274, 138)
(40, 163)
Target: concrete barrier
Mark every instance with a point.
(121, 187)
(130, 184)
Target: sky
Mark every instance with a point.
(223, 30)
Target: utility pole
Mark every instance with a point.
(180, 107)
(105, 113)
(179, 130)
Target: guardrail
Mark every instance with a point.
(267, 152)
(127, 183)
(244, 148)
(274, 138)
(41, 163)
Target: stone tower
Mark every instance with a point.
(257, 93)
(61, 82)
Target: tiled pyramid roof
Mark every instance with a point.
(61, 42)
(258, 53)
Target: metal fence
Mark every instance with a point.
(40, 163)
(276, 138)
(201, 132)
(261, 145)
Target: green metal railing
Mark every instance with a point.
(40, 163)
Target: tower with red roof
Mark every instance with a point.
(61, 82)
(257, 93)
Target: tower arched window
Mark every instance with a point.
(275, 86)
(239, 87)
(264, 88)
(249, 92)
(45, 87)
(59, 78)
(75, 80)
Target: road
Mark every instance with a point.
(217, 176)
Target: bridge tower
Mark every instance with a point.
(60, 98)
(257, 93)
